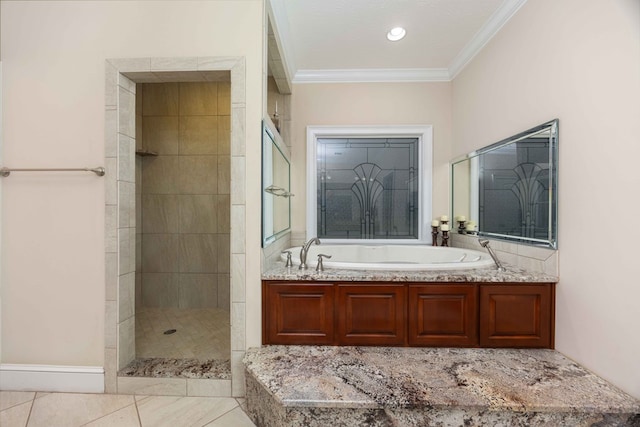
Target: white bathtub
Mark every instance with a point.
(393, 257)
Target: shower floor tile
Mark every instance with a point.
(203, 334)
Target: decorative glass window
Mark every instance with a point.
(367, 185)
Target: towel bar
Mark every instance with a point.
(98, 171)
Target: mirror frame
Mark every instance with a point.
(272, 139)
(552, 234)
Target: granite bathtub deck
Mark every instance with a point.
(484, 275)
(390, 386)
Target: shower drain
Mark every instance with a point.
(169, 331)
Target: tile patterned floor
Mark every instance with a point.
(201, 333)
(37, 409)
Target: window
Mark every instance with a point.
(369, 183)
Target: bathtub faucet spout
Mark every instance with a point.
(304, 250)
(485, 244)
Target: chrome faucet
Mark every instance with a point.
(289, 262)
(304, 250)
(320, 266)
(485, 244)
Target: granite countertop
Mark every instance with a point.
(484, 275)
(392, 377)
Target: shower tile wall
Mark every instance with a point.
(183, 195)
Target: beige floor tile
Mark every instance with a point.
(101, 410)
(67, 409)
(235, 418)
(15, 416)
(125, 417)
(9, 399)
(208, 387)
(183, 411)
(153, 386)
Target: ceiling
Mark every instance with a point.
(345, 40)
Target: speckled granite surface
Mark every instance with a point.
(177, 368)
(512, 275)
(312, 385)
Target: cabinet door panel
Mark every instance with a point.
(299, 314)
(371, 315)
(443, 315)
(516, 316)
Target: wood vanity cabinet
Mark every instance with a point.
(371, 314)
(409, 314)
(517, 315)
(298, 313)
(443, 315)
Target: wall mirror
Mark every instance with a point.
(509, 189)
(276, 185)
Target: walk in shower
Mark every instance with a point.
(182, 200)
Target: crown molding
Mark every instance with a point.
(372, 75)
(489, 29)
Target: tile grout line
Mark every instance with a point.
(17, 404)
(135, 402)
(222, 415)
(33, 402)
(107, 414)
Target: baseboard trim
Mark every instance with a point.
(70, 379)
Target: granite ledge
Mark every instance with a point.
(391, 378)
(479, 275)
(157, 367)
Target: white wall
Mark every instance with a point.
(54, 53)
(370, 104)
(580, 62)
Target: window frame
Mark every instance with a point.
(424, 134)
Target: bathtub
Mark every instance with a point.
(393, 257)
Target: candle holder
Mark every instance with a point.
(276, 120)
(461, 227)
(445, 238)
(434, 236)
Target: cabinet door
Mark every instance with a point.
(298, 313)
(443, 315)
(516, 315)
(371, 314)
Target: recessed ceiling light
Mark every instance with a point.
(396, 34)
